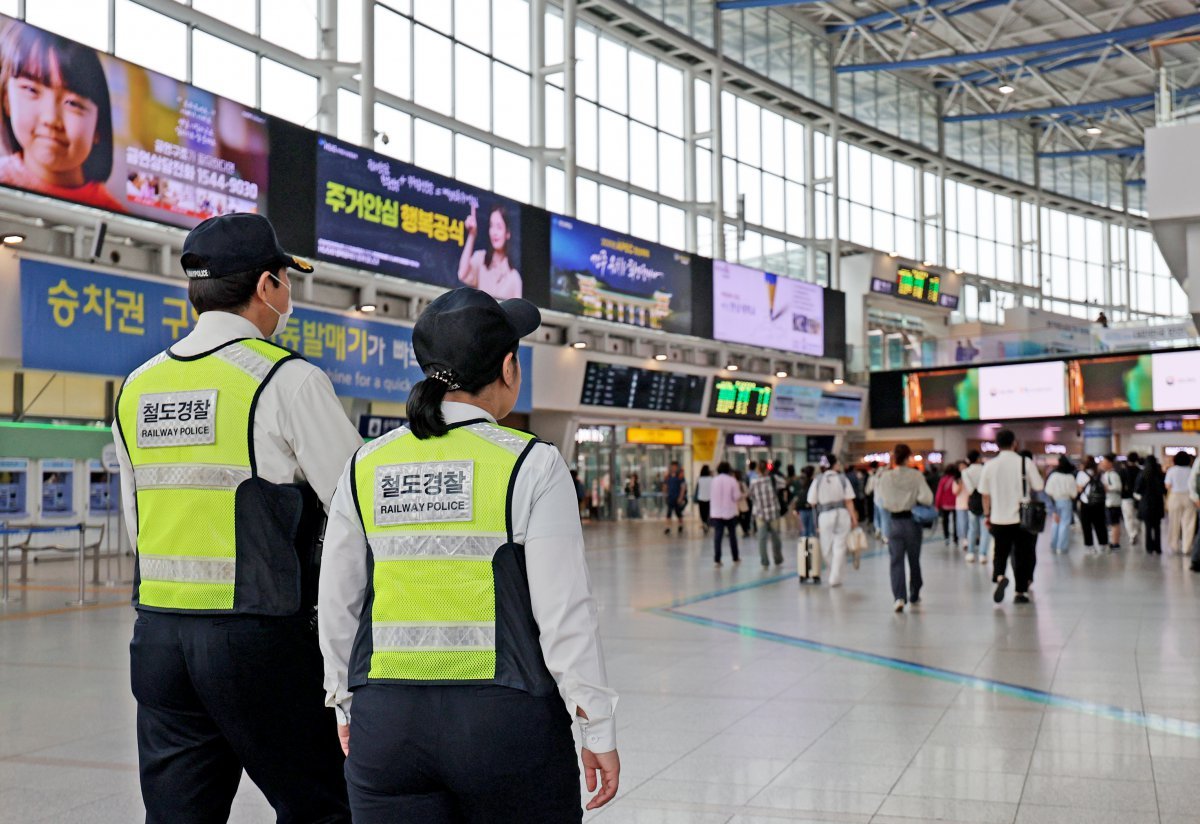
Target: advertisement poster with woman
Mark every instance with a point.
(382, 214)
(83, 126)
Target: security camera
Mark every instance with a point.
(383, 137)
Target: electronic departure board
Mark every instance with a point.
(742, 399)
(629, 387)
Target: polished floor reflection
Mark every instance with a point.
(748, 698)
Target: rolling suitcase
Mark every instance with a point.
(809, 560)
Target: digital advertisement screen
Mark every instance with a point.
(747, 439)
(83, 126)
(1175, 381)
(1111, 384)
(740, 399)
(761, 309)
(934, 397)
(809, 404)
(378, 213)
(602, 274)
(1023, 390)
(630, 387)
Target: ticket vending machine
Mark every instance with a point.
(57, 478)
(14, 491)
(104, 492)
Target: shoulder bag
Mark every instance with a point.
(1032, 513)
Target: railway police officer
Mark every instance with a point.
(455, 603)
(230, 447)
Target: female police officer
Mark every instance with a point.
(454, 599)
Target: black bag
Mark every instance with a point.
(1032, 513)
(975, 503)
(1095, 491)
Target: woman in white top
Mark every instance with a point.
(704, 495)
(1061, 489)
(832, 498)
(726, 492)
(1181, 513)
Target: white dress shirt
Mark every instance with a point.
(545, 516)
(301, 432)
(1001, 482)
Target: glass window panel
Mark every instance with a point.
(703, 97)
(672, 229)
(554, 116)
(87, 21)
(858, 173)
(393, 72)
(397, 125)
(349, 28)
(966, 209)
(882, 196)
(614, 82)
(585, 134)
(772, 142)
(614, 145)
(670, 99)
(614, 209)
(729, 170)
(472, 161)
(234, 12)
(793, 151)
(585, 63)
(1095, 283)
(704, 175)
(510, 111)
(1078, 278)
(555, 190)
(885, 230)
(861, 224)
(986, 251)
(431, 51)
(1005, 265)
(586, 196)
(968, 253)
(472, 23)
(349, 117)
(729, 133)
(433, 147)
(472, 89)
(554, 42)
(670, 166)
(906, 237)
(643, 217)
(288, 93)
(1077, 235)
(512, 175)
(905, 181)
(774, 210)
(151, 39)
(433, 13)
(748, 132)
(750, 185)
(643, 103)
(987, 214)
(291, 24)
(931, 245)
(223, 68)
(510, 31)
(643, 158)
(931, 194)
(1004, 220)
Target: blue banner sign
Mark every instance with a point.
(77, 320)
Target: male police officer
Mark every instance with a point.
(230, 446)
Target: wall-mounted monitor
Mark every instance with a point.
(811, 404)
(598, 273)
(129, 140)
(631, 387)
(763, 309)
(916, 285)
(739, 399)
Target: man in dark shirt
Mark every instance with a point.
(675, 495)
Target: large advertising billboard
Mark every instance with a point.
(602, 274)
(83, 126)
(378, 213)
(1023, 390)
(762, 309)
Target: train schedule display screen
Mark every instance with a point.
(630, 387)
(739, 399)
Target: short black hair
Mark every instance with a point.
(230, 293)
(1182, 459)
(900, 454)
(1006, 438)
(973, 456)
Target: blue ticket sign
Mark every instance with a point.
(78, 320)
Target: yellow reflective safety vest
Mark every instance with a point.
(188, 426)
(448, 597)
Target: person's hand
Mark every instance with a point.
(471, 224)
(344, 738)
(608, 764)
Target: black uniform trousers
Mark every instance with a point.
(1013, 540)
(217, 694)
(461, 755)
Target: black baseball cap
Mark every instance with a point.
(229, 244)
(464, 333)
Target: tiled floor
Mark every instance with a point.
(765, 703)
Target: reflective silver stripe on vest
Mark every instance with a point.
(381, 442)
(499, 437)
(186, 570)
(150, 364)
(189, 476)
(442, 547)
(246, 359)
(424, 637)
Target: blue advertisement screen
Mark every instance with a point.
(602, 274)
(375, 212)
(121, 322)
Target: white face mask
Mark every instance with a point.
(281, 324)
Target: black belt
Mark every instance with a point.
(902, 515)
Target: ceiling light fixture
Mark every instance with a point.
(838, 381)
(1006, 89)
(1094, 130)
(893, 254)
(927, 263)
(958, 271)
(731, 367)
(368, 300)
(579, 344)
(13, 238)
(781, 374)
(660, 357)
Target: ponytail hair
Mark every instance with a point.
(424, 407)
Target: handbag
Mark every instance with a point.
(924, 516)
(1032, 513)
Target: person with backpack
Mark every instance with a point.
(945, 501)
(1092, 515)
(1061, 489)
(979, 539)
(832, 497)
(1129, 475)
(1113, 485)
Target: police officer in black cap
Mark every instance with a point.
(230, 446)
(455, 610)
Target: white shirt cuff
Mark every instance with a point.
(598, 736)
(343, 712)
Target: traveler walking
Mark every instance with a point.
(704, 495)
(1008, 481)
(1129, 474)
(1093, 516)
(979, 540)
(764, 492)
(726, 493)
(1061, 489)
(832, 498)
(945, 499)
(1113, 485)
(1181, 512)
(1150, 490)
(675, 495)
(899, 489)
(808, 518)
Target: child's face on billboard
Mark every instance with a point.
(56, 128)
